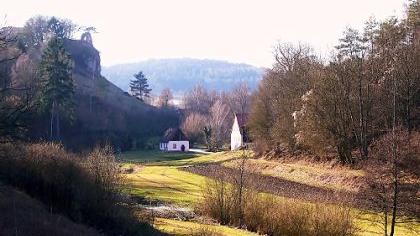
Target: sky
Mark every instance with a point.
(241, 31)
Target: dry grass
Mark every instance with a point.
(317, 174)
(235, 203)
(206, 231)
(274, 216)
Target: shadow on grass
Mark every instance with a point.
(155, 156)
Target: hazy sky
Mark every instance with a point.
(233, 30)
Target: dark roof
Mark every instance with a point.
(242, 119)
(242, 122)
(173, 134)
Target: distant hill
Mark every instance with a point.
(182, 74)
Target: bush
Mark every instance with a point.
(205, 231)
(238, 204)
(86, 189)
(275, 216)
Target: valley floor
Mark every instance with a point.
(176, 180)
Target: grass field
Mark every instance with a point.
(313, 174)
(167, 184)
(155, 156)
(178, 227)
(159, 178)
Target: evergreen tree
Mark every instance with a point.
(139, 86)
(57, 91)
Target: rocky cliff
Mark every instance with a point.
(86, 58)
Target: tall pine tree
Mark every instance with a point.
(58, 90)
(139, 86)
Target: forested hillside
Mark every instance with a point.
(95, 110)
(183, 74)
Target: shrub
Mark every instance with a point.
(218, 201)
(226, 202)
(267, 214)
(205, 231)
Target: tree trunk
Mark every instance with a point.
(241, 188)
(361, 120)
(385, 215)
(408, 110)
(58, 125)
(394, 204)
(51, 123)
(365, 137)
(394, 161)
(344, 153)
(53, 115)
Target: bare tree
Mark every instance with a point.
(353, 48)
(16, 96)
(198, 100)
(240, 98)
(278, 96)
(165, 98)
(219, 123)
(193, 126)
(392, 177)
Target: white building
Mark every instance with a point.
(174, 140)
(239, 135)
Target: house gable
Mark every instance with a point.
(236, 136)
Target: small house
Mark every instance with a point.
(239, 135)
(174, 140)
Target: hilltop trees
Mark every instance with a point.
(58, 88)
(139, 86)
(61, 28)
(39, 29)
(35, 30)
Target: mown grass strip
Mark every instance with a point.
(181, 228)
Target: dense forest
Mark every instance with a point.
(369, 88)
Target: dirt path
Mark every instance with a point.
(277, 186)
